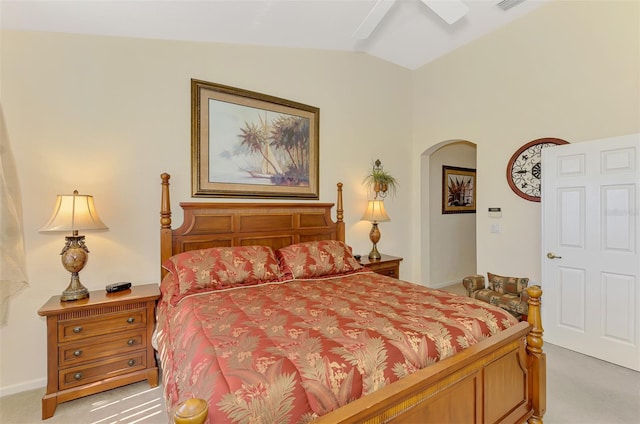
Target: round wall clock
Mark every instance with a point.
(524, 169)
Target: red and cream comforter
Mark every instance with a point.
(288, 352)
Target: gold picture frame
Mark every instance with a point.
(248, 144)
(458, 190)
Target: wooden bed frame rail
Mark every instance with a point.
(501, 379)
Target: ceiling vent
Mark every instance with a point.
(508, 4)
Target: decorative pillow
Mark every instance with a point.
(505, 285)
(316, 258)
(223, 267)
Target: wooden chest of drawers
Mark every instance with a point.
(386, 265)
(99, 343)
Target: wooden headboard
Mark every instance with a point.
(241, 224)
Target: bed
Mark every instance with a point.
(251, 290)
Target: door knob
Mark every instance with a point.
(552, 256)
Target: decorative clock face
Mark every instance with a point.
(524, 170)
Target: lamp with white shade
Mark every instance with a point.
(74, 212)
(375, 213)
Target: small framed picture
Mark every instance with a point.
(458, 190)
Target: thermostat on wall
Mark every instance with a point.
(495, 213)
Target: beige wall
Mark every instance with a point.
(106, 116)
(569, 70)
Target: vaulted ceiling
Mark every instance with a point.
(410, 33)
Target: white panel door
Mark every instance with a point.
(591, 264)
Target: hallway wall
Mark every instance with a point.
(452, 245)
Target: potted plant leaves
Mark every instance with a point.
(380, 181)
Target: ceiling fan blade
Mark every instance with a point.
(372, 20)
(449, 10)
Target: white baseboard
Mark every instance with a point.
(23, 387)
(444, 283)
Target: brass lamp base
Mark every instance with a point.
(75, 290)
(374, 254)
(74, 256)
(374, 236)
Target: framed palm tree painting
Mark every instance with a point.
(458, 190)
(248, 144)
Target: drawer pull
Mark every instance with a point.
(77, 353)
(77, 329)
(131, 320)
(131, 342)
(77, 375)
(132, 362)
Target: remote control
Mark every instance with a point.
(116, 287)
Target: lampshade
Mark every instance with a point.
(74, 212)
(375, 212)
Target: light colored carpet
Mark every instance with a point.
(580, 389)
(135, 403)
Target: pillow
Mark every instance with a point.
(316, 258)
(505, 285)
(222, 267)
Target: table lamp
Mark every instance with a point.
(375, 213)
(74, 212)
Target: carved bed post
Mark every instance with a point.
(165, 223)
(340, 215)
(537, 358)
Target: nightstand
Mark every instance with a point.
(387, 265)
(99, 343)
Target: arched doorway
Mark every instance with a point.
(448, 242)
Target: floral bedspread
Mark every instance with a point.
(290, 352)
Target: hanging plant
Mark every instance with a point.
(380, 181)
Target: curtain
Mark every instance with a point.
(13, 273)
